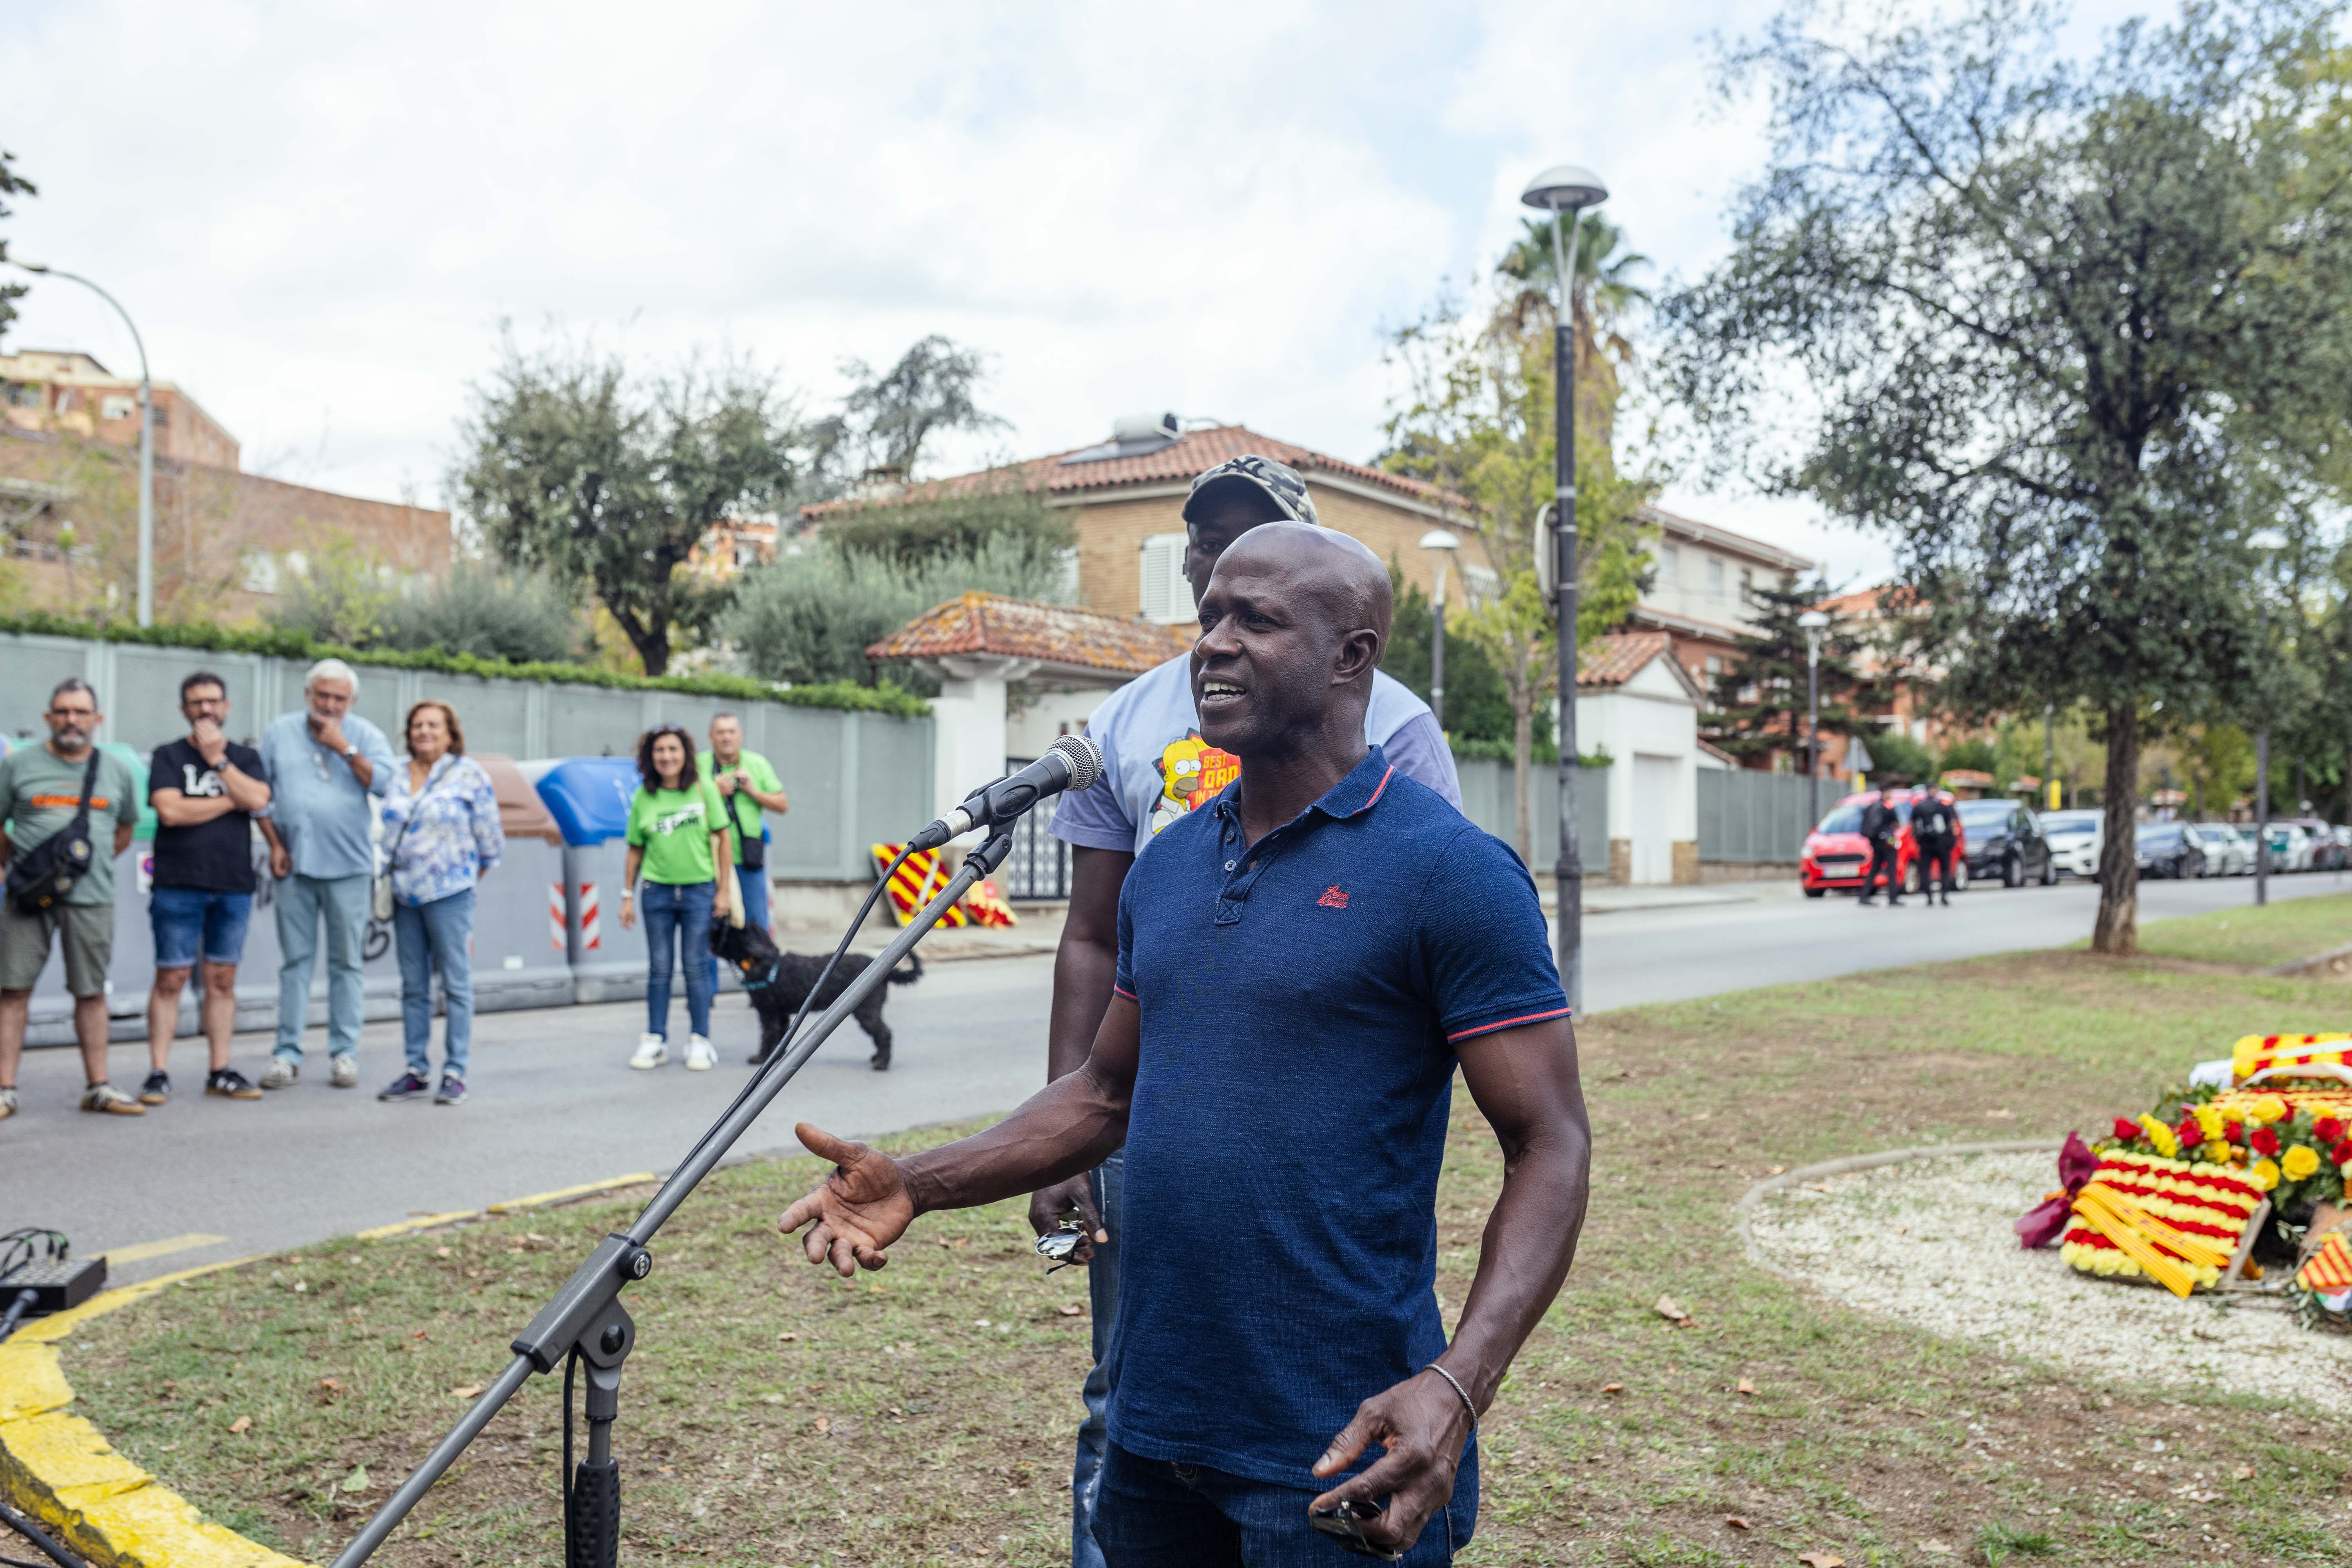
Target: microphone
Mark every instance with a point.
(1072, 763)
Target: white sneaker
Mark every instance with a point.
(281, 1073)
(700, 1055)
(653, 1051)
(346, 1071)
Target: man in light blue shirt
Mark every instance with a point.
(325, 765)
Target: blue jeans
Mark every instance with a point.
(192, 921)
(436, 936)
(753, 885)
(301, 903)
(1153, 1513)
(1102, 1299)
(677, 915)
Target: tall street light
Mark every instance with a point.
(146, 441)
(1441, 545)
(1815, 623)
(1566, 190)
(2269, 542)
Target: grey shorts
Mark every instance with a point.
(88, 931)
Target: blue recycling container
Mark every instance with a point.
(589, 797)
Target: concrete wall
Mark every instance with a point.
(854, 778)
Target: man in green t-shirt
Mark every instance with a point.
(40, 795)
(750, 788)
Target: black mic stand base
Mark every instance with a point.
(585, 1317)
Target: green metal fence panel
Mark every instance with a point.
(1755, 818)
(1490, 799)
(854, 778)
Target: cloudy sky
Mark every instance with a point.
(320, 217)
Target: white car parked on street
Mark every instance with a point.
(2075, 840)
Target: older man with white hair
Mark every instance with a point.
(325, 764)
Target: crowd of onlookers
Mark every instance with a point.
(352, 832)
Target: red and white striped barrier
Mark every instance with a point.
(592, 934)
(555, 928)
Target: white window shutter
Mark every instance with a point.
(1166, 594)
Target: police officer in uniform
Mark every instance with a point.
(1882, 827)
(1935, 825)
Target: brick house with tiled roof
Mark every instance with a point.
(1124, 499)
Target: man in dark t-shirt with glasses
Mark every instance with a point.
(206, 790)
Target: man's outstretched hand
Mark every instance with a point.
(1423, 1425)
(857, 1210)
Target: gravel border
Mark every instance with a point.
(1923, 1237)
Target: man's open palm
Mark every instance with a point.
(857, 1210)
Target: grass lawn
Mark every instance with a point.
(2254, 938)
(778, 1416)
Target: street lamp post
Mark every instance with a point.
(1441, 545)
(146, 441)
(1566, 189)
(2269, 542)
(1815, 623)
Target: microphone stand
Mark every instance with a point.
(586, 1316)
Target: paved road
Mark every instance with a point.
(555, 1105)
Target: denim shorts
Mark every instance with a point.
(186, 920)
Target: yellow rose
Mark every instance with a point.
(2270, 1108)
(2263, 1173)
(2299, 1162)
(2160, 1136)
(2218, 1152)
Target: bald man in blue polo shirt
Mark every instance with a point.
(1305, 961)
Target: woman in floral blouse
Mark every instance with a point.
(441, 830)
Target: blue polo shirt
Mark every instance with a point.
(1301, 1002)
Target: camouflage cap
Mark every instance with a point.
(1276, 481)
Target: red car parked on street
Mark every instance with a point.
(1837, 856)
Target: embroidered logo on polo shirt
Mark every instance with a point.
(1333, 899)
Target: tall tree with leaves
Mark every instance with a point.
(575, 468)
(1601, 293)
(1760, 702)
(890, 416)
(2049, 314)
(12, 183)
(1476, 421)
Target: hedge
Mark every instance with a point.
(883, 698)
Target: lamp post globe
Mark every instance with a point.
(1565, 190)
(1441, 544)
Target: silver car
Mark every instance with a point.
(2226, 854)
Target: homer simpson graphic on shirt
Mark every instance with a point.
(1191, 772)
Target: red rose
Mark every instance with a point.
(2189, 1132)
(2264, 1141)
(2342, 1154)
(2126, 1130)
(2234, 1131)
(2328, 1130)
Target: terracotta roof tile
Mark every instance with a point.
(1177, 462)
(1617, 658)
(1024, 628)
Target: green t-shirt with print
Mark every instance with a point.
(748, 812)
(673, 826)
(41, 792)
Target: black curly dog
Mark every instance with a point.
(778, 984)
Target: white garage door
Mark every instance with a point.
(1654, 794)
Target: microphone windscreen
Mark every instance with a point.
(1085, 757)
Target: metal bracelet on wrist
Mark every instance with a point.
(1467, 1402)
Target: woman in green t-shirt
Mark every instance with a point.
(677, 837)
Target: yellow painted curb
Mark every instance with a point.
(61, 1470)
(422, 1221)
(586, 1189)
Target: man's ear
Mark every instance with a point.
(1358, 656)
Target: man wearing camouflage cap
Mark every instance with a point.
(1156, 768)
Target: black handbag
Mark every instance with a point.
(751, 841)
(45, 873)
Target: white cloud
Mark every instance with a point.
(320, 216)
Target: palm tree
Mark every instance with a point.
(1599, 294)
